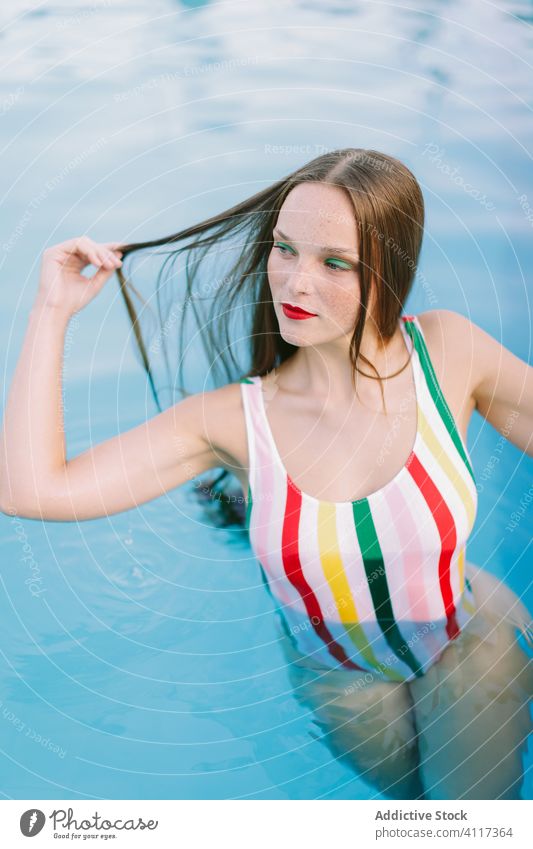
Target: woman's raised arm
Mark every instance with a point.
(36, 480)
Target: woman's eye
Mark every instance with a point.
(338, 267)
(282, 248)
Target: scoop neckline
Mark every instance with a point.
(402, 471)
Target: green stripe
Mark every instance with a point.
(436, 392)
(377, 583)
(248, 509)
(245, 380)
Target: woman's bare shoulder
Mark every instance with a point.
(223, 423)
(446, 323)
(448, 334)
(452, 341)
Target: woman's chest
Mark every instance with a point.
(344, 455)
(340, 457)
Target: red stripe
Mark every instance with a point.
(293, 570)
(448, 537)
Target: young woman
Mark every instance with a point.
(360, 489)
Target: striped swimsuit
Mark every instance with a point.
(376, 584)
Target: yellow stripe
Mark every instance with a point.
(461, 568)
(464, 601)
(446, 464)
(331, 559)
(444, 460)
(467, 606)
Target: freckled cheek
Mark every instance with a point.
(340, 303)
(274, 273)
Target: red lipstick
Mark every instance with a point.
(296, 312)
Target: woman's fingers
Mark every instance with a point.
(110, 258)
(100, 276)
(98, 254)
(107, 259)
(92, 256)
(62, 282)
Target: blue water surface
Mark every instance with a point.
(148, 664)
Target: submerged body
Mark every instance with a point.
(458, 732)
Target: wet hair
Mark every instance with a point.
(388, 210)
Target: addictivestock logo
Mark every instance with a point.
(31, 822)
(65, 825)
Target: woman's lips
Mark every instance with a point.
(296, 312)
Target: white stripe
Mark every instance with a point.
(250, 435)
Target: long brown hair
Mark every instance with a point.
(389, 213)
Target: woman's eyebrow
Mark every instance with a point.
(324, 249)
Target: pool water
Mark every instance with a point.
(140, 655)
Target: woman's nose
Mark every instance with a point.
(301, 278)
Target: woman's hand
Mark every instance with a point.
(61, 283)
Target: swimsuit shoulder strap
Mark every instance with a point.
(436, 395)
(259, 446)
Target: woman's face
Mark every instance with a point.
(307, 268)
